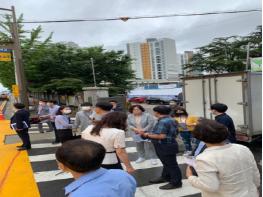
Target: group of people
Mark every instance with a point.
(221, 168)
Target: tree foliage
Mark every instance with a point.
(226, 54)
(57, 67)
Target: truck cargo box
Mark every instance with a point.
(241, 92)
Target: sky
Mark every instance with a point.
(188, 32)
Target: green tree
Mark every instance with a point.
(226, 54)
(57, 67)
(32, 49)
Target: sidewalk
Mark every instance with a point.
(16, 176)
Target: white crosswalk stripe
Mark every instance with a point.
(154, 191)
(47, 173)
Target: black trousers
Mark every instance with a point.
(55, 131)
(167, 154)
(24, 136)
(64, 135)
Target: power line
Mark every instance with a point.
(126, 18)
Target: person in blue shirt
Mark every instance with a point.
(219, 110)
(163, 138)
(83, 159)
(63, 125)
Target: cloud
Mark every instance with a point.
(189, 32)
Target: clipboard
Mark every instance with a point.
(14, 127)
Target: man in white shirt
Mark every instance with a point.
(53, 109)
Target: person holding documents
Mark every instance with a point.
(20, 123)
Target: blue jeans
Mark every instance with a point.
(187, 138)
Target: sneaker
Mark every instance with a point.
(170, 186)
(154, 162)
(140, 160)
(158, 180)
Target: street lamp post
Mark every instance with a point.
(93, 72)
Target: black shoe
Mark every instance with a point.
(41, 132)
(170, 186)
(158, 180)
(55, 142)
(23, 148)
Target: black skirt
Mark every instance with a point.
(112, 166)
(65, 135)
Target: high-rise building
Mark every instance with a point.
(187, 59)
(134, 51)
(156, 58)
(146, 61)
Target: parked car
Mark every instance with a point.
(160, 100)
(137, 99)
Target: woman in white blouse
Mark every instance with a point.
(110, 132)
(223, 169)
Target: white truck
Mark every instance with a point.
(241, 92)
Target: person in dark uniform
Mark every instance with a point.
(219, 109)
(20, 123)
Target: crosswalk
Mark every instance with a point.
(51, 181)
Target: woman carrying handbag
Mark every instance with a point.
(63, 125)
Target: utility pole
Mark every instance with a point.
(248, 59)
(14, 45)
(19, 68)
(93, 71)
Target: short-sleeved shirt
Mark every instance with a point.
(110, 138)
(167, 126)
(103, 183)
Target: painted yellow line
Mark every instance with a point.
(16, 178)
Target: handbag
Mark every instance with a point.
(34, 120)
